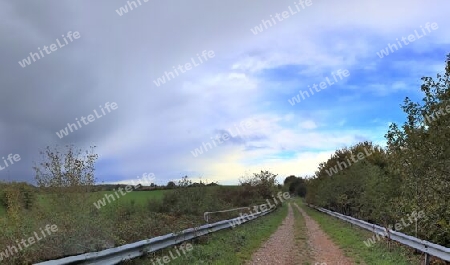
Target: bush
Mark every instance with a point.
(264, 182)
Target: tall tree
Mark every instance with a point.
(420, 153)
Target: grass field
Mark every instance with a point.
(139, 197)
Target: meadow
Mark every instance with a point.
(134, 197)
(135, 216)
(138, 197)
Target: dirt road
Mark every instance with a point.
(281, 247)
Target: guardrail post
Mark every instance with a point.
(427, 259)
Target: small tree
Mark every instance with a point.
(68, 172)
(171, 185)
(184, 182)
(295, 185)
(264, 182)
(67, 177)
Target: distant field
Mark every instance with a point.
(140, 197)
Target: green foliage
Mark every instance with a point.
(66, 196)
(18, 195)
(66, 177)
(193, 201)
(295, 185)
(171, 185)
(410, 174)
(420, 153)
(234, 246)
(348, 191)
(264, 183)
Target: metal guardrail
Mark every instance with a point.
(134, 250)
(206, 214)
(419, 244)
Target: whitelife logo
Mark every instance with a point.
(258, 209)
(187, 67)
(10, 158)
(90, 118)
(27, 61)
(411, 38)
(124, 9)
(245, 125)
(285, 14)
(434, 116)
(398, 227)
(166, 259)
(31, 240)
(360, 155)
(322, 85)
(146, 180)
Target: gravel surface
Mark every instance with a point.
(278, 248)
(323, 250)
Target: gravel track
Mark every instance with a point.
(323, 250)
(280, 248)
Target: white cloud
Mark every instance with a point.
(307, 125)
(155, 128)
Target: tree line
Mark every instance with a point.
(412, 173)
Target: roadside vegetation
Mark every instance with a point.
(65, 197)
(385, 185)
(350, 239)
(229, 246)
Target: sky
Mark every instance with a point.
(206, 88)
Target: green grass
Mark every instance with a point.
(351, 240)
(139, 197)
(301, 238)
(230, 246)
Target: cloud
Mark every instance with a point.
(250, 78)
(307, 125)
